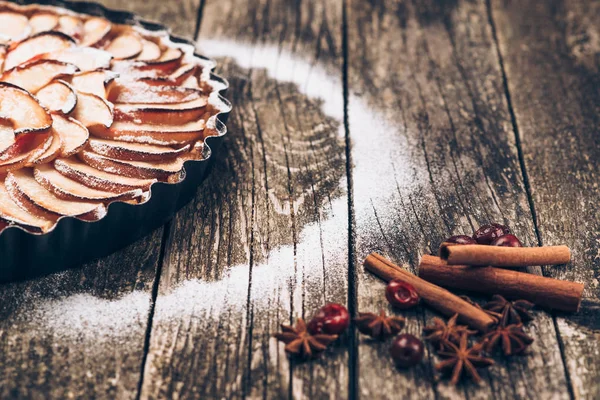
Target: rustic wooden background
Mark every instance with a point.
(357, 126)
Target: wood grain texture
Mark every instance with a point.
(265, 240)
(434, 155)
(79, 333)
(552, 63)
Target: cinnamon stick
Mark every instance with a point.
(545, 292)
(497, 256)
(438, 298)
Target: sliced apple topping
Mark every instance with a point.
(150, 51)
(153, 134)
(22, 181)
(69, 189)
(58, 96)
(90, 113)
(135, 151)
(22, 109)
(167, 114)
(93, 82)
(161, 170)
(123, 91)
(85, 58)
(35, 75)
(95, 30)
(14, 26)
(11, 211)
(73, 134)
(36, 45)
(7, 135)
(92, 110)
(71, 26)
(42, 22)
(53, 151)
(125, 46)
(99, 179)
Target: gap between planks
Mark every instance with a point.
(353, 368)
(526, 182)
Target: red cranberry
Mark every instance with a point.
(487, 233)
(406, 350)
(332, 319)
(461, 239)
(401, 294)
(509, 240)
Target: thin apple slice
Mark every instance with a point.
(59, 96)
(150, 51)
(163, 66)
(161, 170)
(183, 72)
(135, 151)
(36, 45)
(85, 58)
(42, 22)
(95, 30)
(41, 149)
(22, 109)
(35, 75)
(73, 134)
(71, 26)
(53, 151)
(11, 211)
(68, 189)
(14, 26)
(153, 134)
(27, 148)
(25, 203)
(125, 46)
(92, 110)
(93, 82)
(97, 179)
(170, 114)
(124, 91)
(24, 182)
(7, 135)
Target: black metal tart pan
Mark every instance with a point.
(72, 242)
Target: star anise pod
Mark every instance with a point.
(511, 338)
(512, 312)
(461, 359)
(496, 316)
(440, 332)
(299, 342)
(379, 326)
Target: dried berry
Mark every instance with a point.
(486, 234)
(401, 294)
(332, 319)
(509, 240)
(406, 350)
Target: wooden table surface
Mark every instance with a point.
(358, 126)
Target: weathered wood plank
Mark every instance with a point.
(551, 54)
(79, 333)
(265, 239)
(434, 154)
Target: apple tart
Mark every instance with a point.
(93, 112)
